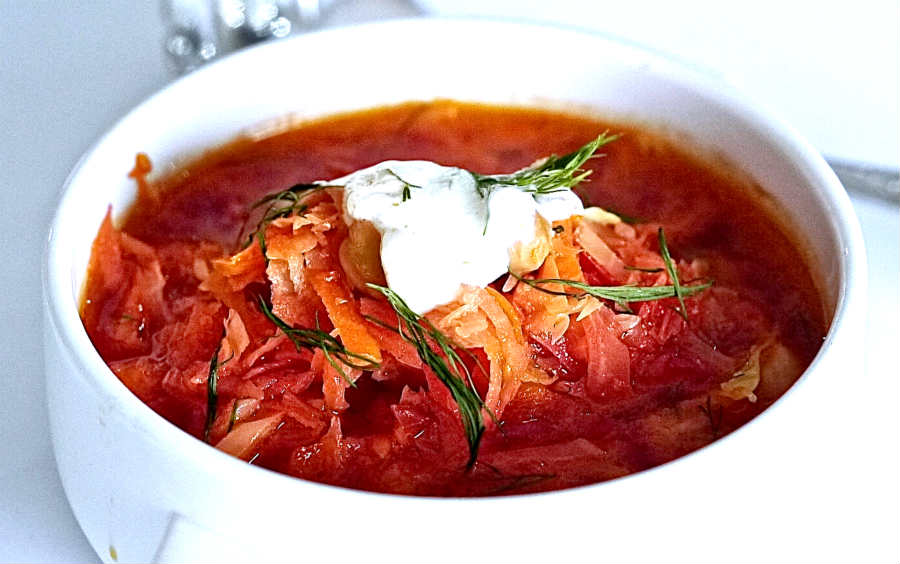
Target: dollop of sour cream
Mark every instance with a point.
(439, 232)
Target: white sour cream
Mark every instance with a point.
(435, 240)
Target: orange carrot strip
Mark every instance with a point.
(344, 313)
(237, 271)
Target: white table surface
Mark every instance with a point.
(69, 70)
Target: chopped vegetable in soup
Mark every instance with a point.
(425, 299)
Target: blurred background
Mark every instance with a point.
(68, 71)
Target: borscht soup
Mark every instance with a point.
(452, 299)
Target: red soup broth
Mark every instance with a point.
(620, 392)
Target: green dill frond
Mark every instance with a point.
(552, 174)
(445, 362)
(212, 392)
(335, 352)
(673, 273)
(621, 295)
(407, 186)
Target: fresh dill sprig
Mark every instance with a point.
(280, 204)
(335, 352)
(673, 273)
(407, 192)
(621, 295)
(212, 392)
(444, 362)
(552, 174)
(212, 388)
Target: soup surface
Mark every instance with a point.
(251, 326)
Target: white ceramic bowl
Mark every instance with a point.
(143, 490)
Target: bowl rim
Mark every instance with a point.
(62, 313)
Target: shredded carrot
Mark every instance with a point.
(565, 253)
(234, 273)
(344, 313)
(227, 280)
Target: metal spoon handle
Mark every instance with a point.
(871, 180)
